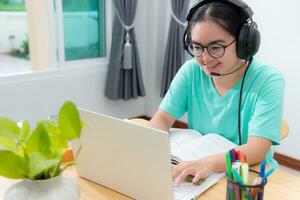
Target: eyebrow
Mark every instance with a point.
(212, 42)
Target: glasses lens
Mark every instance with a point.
(216, 50)
(195, 49)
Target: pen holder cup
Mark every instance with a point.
(252, 190)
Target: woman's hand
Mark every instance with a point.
(255, 151)
(198, 169)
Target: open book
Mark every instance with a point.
(187, 145)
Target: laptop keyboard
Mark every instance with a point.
(185, 191)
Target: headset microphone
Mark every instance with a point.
(218, 74)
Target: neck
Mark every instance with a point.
(225, 83)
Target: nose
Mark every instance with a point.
(206, 57)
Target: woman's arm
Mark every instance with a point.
(255, 151)
(162, 120)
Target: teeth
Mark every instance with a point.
(211, 66)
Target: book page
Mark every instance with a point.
(187, 144)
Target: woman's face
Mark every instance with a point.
(208, 32)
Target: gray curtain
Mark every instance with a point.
(124, 79)
(174, 55)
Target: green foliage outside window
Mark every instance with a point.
(12, 6)
(25, 47)
(23, 50)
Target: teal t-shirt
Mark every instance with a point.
(192, 91)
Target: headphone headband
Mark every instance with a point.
(240, 5)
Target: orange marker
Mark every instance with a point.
(254, 190)
(242, 157)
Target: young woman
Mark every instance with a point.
(223, 88)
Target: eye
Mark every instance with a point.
(196, 47)
(215, 48)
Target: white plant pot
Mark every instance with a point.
(57, 188)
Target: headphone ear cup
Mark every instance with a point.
(248, 41)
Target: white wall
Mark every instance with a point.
(157, 25)
(34, 96)
(279, 26)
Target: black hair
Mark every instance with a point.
(226, 16)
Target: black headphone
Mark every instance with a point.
(248, 40)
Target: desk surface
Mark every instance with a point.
(281, 185)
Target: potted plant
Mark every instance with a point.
(36, 156)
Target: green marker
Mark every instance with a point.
(228, 165)
(237, 176)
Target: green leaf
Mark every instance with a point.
(12, 165)
(58, 141)
(39, 141)
(23, 136)
(24, 129)
(9, 132)
(7, 143)
(8, 127)
(69, 120)
(38, 164)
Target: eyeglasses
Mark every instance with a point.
(215, 50)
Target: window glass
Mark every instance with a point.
(14, 46)
(84, 29)
(12, 5)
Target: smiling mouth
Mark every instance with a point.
(211, 66)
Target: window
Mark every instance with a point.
(14, 48)
(62, 33)
(81, 29)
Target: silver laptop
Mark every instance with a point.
(131, 159)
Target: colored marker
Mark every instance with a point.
(239, 181)
(228, 165)
(269, 172)
(242, 157)
(232, 155)
(244, 175)
(254, 190)
(228, 160)
(236, 176)
(237, 166)
(262, 169)
(245, 172)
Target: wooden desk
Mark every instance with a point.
(281, 185)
